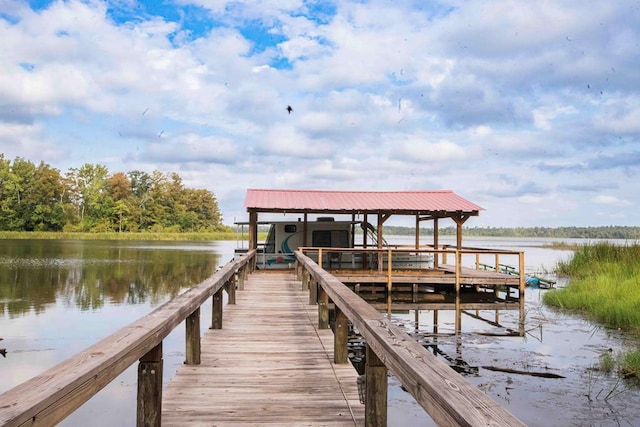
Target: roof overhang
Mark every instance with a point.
(429, 204)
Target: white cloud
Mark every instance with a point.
(610, 200)
(465, 95)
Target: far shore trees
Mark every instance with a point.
(90, 199)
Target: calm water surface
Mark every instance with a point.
(59, 297)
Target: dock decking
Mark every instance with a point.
(269, 364)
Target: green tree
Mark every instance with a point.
(24, 172)
(120, 191)
(140, 187)
(8, 193)
(47, 194)
(88, 189)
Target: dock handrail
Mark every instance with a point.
(444, 394)
(48, 398)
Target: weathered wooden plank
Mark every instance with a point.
(269, 364)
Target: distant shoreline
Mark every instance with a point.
(608, 232)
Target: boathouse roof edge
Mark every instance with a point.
(427, 202)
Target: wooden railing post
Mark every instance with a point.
(150, 388)
(240, 279)
(305, 279)
(323, 308)
(231, 290)
(313, 292)
(216, 310)
(340, 337)
(192, 353)
(375, 410)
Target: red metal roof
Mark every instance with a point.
(357, 201)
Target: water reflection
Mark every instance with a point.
(35, 274)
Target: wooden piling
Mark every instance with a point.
(375, 411)
(323, 309)
(150, 388)
(216, 310)
(192, 351)
(340, 338)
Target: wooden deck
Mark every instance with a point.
(443, 275)
(268, 365)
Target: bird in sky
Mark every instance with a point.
(289, 109)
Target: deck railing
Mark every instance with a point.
(477, 258)
(444, 394)
(51, 396)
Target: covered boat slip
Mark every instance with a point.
(454, 278)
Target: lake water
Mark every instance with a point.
(59, 297)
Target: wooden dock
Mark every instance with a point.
(268, 365)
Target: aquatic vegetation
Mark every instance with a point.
(605, 286)
(630, 364)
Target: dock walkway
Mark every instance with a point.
(268, 365)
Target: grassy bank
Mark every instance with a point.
(605, 286)
(217, 235)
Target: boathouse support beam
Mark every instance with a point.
(436, 256)
(149, 410)
(382, 218)
(253, 229)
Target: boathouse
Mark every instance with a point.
(429, 205)
(395, 277)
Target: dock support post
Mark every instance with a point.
(149, 403)
(323, 309)
(192, 351)
(521, 296)
(216, 310)
(435, 321)
(375, 410)
(458, 322)
(340, 337)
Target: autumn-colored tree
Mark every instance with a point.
(89, 199)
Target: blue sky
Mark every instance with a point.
(529, 109)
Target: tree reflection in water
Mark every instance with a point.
(89, 274)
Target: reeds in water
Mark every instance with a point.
(604, 285)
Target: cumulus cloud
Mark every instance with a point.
(471, 96)
(610, 200)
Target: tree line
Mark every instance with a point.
(90, 199)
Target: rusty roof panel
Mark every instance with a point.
(336, 201)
